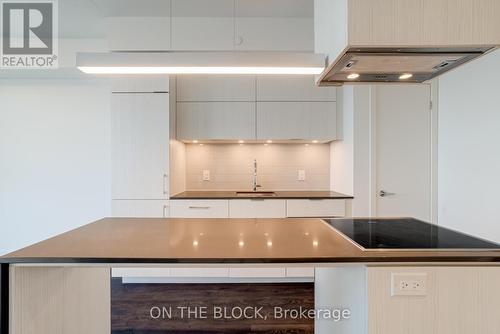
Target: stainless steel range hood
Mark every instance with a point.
(401, 40)
(414, 65)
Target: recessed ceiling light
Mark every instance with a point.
(353, 76)
(405, 76)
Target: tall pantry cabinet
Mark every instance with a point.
(140, 147)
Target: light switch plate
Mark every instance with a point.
(301, 175)
(408, 284)
(206, 175)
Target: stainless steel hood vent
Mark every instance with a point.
(397, 65)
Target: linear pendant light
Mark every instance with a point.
(200, 63)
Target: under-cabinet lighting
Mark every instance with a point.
(241, 243)
(315, 141)
(269, 243)
(405, 76)
(241, 141)
(269, 141)
(353, 76)
(195, 243)
(195, 141)
(201, 63)
(199, 70)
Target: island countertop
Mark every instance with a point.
(298, 194)
(157, 240)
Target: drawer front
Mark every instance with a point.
(257, 208)
(257, 272)
(315, 208)
(198, 209)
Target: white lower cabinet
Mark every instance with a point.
(257, 208)
(154, 274)
(199, 209)
(140, 208)
(315, 208)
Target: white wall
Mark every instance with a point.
(469, 148)
(350, 157)
(54, 157)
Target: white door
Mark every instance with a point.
(140, 137)
(403, 151)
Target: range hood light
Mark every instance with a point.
(405, 76)
(353, 76)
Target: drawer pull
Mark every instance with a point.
(198, 207)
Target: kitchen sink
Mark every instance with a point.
(255, 193)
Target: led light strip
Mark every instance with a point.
(201, 63)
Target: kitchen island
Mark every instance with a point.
(63, 284)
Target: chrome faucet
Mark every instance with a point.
(255, 185)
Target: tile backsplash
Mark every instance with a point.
(231, 166)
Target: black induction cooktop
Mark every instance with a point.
(405, 233)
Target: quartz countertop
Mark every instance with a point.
(299, 194)
(167, 240)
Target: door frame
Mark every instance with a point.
(433, 109)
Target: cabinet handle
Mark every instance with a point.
(165, 211)
(198, 207)
(165, 182)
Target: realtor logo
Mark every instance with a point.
(29, 34)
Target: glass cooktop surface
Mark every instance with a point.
(405, 233)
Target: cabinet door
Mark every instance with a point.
(140, 84)
(139, 136)
(199, 209)
(292, 88)
(257, 208)
(274, 34)
(274, 25)
(215, 120)
(296, 120)
(202, 25)
(215, 88)
(140, 208)
(138, 33)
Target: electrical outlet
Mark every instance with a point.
(408, 284)
(301, 175)
(206, 175)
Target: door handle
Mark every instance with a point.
(383, 193)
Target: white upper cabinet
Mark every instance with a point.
(215, 88)
(296, 121)
(202, 25)
(143, 84)
(292, 88)
(215, 120)
(138, 33)
(274, 25)
(140, 144)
